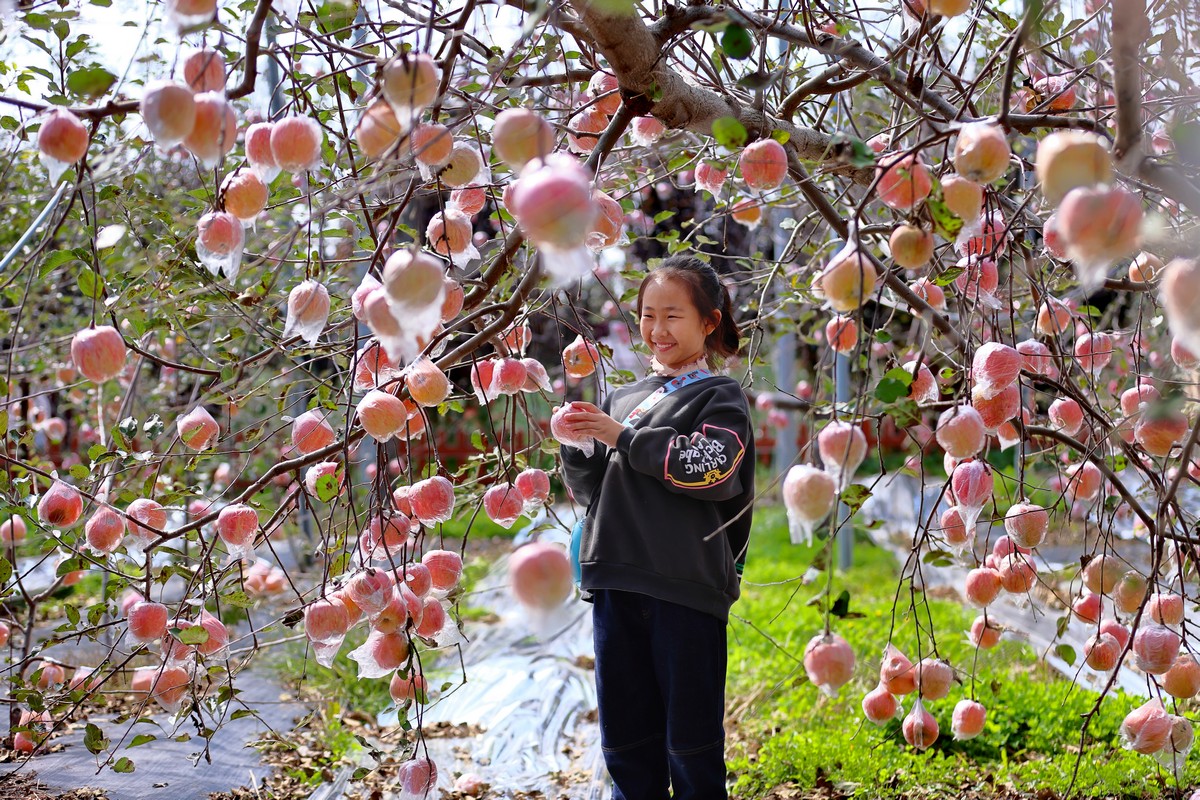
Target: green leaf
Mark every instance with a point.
(853, 151)
(1066, 653)
(140, 739)
(153, 426)
(729, 132)
(327, 488)
(854, 496)
(90, 284)
(905, 413)
(889, 390)
(239, 599)
(93, 739)
(5, 570)
(711, 25)
(1185, 135)
(1009, 23)
(900, 374)
(945, 223)
(781, 136)
(938, 558)
(337, 17)
(736, 42)
(841, 606)
(67, 566)
(948, 275)
(79, 472)
(91, 82)
(193, 634)
(58, 258)
(718, 59)
(759, 79)
(123, 765)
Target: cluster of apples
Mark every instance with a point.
(931, 679)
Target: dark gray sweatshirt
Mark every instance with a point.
(685, 471)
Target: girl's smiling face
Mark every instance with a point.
(671, 325)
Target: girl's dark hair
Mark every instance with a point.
(709, 296)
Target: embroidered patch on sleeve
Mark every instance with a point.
(707, 458)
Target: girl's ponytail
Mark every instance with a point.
(726, 340)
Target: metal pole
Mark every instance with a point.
(274, 78)
(845, 543)
(785, 378)
(32, 229)
(783, 362)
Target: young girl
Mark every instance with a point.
(672, 480)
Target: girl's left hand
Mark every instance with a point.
(587, 419)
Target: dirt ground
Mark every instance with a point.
(26, 786)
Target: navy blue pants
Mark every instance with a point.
(660, 681)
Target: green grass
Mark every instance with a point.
(788, 733)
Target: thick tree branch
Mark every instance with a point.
(570, 76)
(634, 55)
(634, 52)
(1131, 28)
(1010, 67)
(253, 43)
(853, 52)
(823, 83)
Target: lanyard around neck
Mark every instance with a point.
(656, 396)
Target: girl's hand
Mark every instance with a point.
(589, 420)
